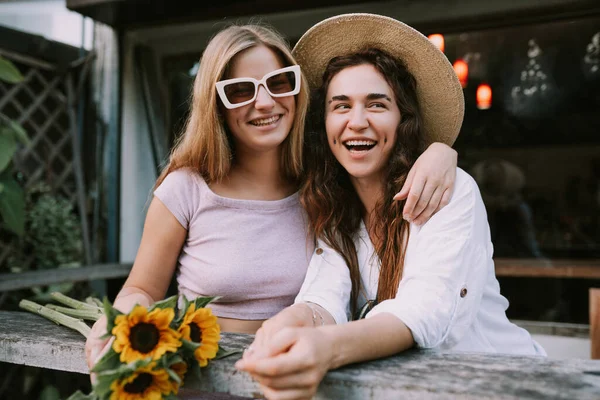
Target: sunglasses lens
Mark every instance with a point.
(239, 92)
(282, 83)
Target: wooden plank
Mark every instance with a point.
(25, 280)
(28, 339)
(38, 342)
(595, 322)
(535, 268)
(555, 328)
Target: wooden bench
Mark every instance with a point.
(28, 339)
(541, 268)
(24, 280)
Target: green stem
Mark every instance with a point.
(56, 317)
(76, 304)
(85, 314)
(95, 302)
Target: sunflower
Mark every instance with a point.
(145, 383)
(200, 326)
(142, 334)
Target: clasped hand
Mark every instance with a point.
(288, 362)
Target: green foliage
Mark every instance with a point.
(12, 206)
(50, 392)
(53, 233)
(8, 72)
(11, 133)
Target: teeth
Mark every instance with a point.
(265, 121)
(359, 143)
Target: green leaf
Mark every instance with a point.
(169, 359)
(108, 362)
(203, 301)
(8, 146)
(102, 386)
(170, 302)
(50, 393)
(44, 294)
(189, 346)
(79, 395)
(8, 72)
(222, 353)
(181, 312)
(173, 375)
(19, 132)
(111, 313)
(12, 205)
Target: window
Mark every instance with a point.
(535, 153)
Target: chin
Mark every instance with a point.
(356, 173)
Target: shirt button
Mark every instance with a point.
(319, 251)
(463, 292)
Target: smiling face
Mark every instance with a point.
(361, 120)
(264, 124)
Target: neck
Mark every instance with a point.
(260, 171)
(370, 191)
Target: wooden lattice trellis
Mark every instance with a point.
(45, 104)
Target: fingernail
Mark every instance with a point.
(407, 218)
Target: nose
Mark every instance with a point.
(263, 101)
(358, 120)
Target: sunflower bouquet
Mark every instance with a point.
(152, 348)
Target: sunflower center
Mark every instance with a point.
(139, 384)
(144, 337)
(195, 333)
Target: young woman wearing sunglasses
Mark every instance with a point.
(226, 214)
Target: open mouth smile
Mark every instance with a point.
(355, 146)
(265, 121)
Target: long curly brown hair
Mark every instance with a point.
(333, 207)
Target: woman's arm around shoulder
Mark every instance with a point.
(429, 184)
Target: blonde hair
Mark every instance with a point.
(204, 145)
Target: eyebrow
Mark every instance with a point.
(370, 96)
(341, 97)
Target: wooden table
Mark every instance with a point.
(31, 340)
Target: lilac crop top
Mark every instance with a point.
(253, 253)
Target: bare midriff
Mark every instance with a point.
(239, 325)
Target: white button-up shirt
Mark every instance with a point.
(448, 296)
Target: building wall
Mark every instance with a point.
(48, 18)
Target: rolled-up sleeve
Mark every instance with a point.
(327, 283)
(445, 271)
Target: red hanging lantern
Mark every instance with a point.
(484, 96)
(438, 40)
(462, 71)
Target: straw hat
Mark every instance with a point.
(438, 89)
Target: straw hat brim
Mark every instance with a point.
(439, 92)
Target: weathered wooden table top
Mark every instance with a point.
(32, 340)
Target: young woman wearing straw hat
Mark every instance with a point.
(384, 92)
(226, 213)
